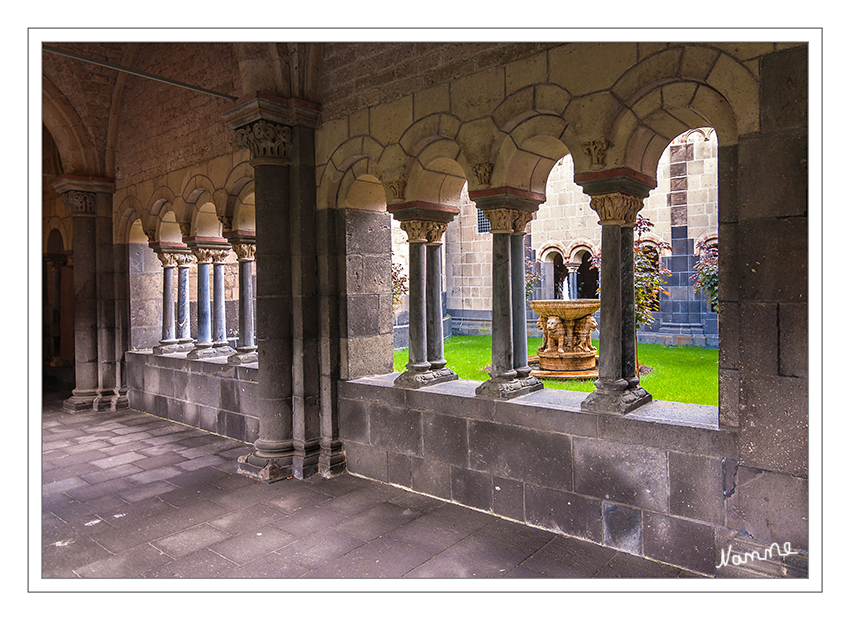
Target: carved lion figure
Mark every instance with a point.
(583, 328)
(555, 330)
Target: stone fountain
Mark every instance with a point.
(567, 351)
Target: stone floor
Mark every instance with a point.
(129, 495)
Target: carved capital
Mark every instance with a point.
(596, 150)
(397, 187)
(183, 259)
(521, 220)
(219, 255)
(265, 140)
(151, 235)
(245, 252)
(415, 230)
(483, 171)
(226, 222)
(80, 203)
(168, 259)
(185, 228)
(616, 208)
(434, 232)
(204, 255)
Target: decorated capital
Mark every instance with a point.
(616, 208)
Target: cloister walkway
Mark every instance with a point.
(130, 495)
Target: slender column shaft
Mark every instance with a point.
(204, 327)
(168, 328)
(184, 335)
(418, 357)
(519, 329)
(610, 329)
(627, 278)
(502, 325)
(434, 304)
(573, 280)
(246, 305)
(85, 316)
(219, 320)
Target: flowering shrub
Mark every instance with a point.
(705, 280)
(532, 276)
(399, 286)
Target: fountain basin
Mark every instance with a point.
(566, 326)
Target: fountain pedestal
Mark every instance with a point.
(567, 351)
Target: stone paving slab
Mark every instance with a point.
(129, 495)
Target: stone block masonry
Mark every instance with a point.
(655, 483)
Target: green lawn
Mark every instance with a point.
(681, 374)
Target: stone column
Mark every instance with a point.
(168, 342)
(571, 291)
(185, 342)
(508, 211)
(425, 225)
(54, 265)
(616, 393)
(434, 301)
(219, 318)
(203, 346)
(259, 125)
(518, 300)
(83, 210)
(246, 349)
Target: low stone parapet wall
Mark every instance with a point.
(207, 394)
(652, 483)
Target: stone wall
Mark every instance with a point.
(662, 483)
(207, 394)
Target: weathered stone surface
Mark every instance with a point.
(560, 511)
(520, 454)
(622, 527)
(696, 487)
(444, 439)
(679, 542)
(472, 488)
(633, 475)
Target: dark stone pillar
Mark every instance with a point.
(95, 367)
(278, 133)
(617, 389)
(203, 345)
(168, 342)
(183, 326)
(219, 319)
(246, 348)
(509, 211)
(425, 225)
(518, 304)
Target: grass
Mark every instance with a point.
(680, 374)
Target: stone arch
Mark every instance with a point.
(244, 214)
(128, 213)
(672, 91)
(239, 183)
(527, 149)
(54, 242)
(167, 228)
(437, 172)
(353, 164)
(205, 222)
(76, 149)
(63, 228)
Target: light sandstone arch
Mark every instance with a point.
(524, 157)
(356, 158)
(127, 213)
(669, 92)
(437, 172)
(205, 223)
(167, 228)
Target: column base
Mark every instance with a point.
(243, 357)
(264, 469)
(331, 459)
(111, 401)
(166, 348)
(200, 352)
(504, 389)
(80, 401)
(620, 402)
(305, 461)
(421, 378)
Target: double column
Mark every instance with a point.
(618, 388)
(212, 329)
(508, 210)
(246, 347)
(425, 224)
(278, 134)
(96, 355)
